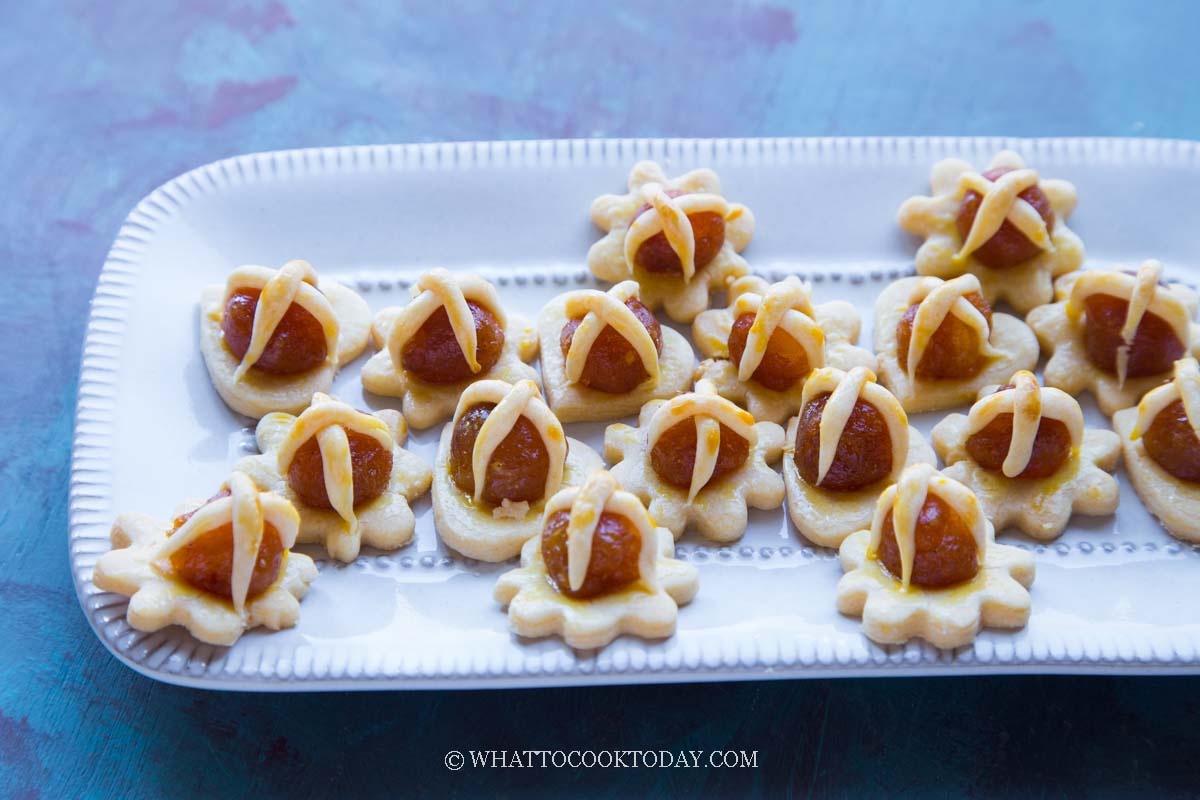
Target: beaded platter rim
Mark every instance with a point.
(165, 657)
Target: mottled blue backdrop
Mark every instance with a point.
(100, 102)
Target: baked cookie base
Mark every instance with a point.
(826, 518)
(259, 393)
(1015, 342)
(536, 609)
(997, 597)
(576, 403)
(477, 532)
(157, 600)
(837, 319)
(426, 404)
(386, 523)
(720, 510)
(1176, 503)
(1039, 507)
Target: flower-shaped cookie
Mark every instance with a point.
(346, 473)
(223, 566)
(499, 459)
(604, 355)
(929, 567)
(1161, 437)
(453, 333)
(939, 343)
(1115, 334)
(850, 440)
(1006, 226)
(1024, 451)
(678, 238)
(763, 345)
(698, 459)
(598, 569)
(271, 339)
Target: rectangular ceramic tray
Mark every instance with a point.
(1112, 595)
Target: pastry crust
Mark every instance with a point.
(892, 613)
(717, 511)
(1174, 501)
(1069, 367)
(385, 522)
(426, 404)
(682, 299)
(1040, 507)
(1025, 285)
(1014, 347)
(838, 321)
(647, 608)
(257, 393)
(573, 402)
(157, 599)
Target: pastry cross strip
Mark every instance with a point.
(438, 288)
(511, 403)
(669, 215)
(248, 510)
(936, 302)
(844, 389)
(1028, 403)
(585, 504)
(1184, 386)
(906, 498)
(599, 310)
(710, 412)
(1001, 203)
(1141, 291)
(330, 420)
(295, 281)
(786, 305)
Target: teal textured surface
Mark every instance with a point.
(99, 104)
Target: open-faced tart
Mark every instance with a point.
(939, 342)
(698, 460)
(219, 568)
(929, 567)
(1025, 454)
(1006, 226)
(678, 238)
(345, 471)
(453, 333)
(604, 355)
(271, 339)
(1116, 333)
(850, 440)
(1161, 437)
(763, 345)
(499, 459)
(598, 568)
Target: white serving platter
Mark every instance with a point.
(1112, 595)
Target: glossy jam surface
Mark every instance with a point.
(674, 454)
(297, 344)
(1155, 346)
(1172, 443)
(207, 562)
(1051, 446)
(954, 349)
(946, 554)
(433, 353)
(519, 466)
(864, 453)
(1008, 247)
(612, 364)
(784, 361)
(655, 254)
(371, 463)
(616, 546)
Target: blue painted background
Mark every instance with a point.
(101, 102)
